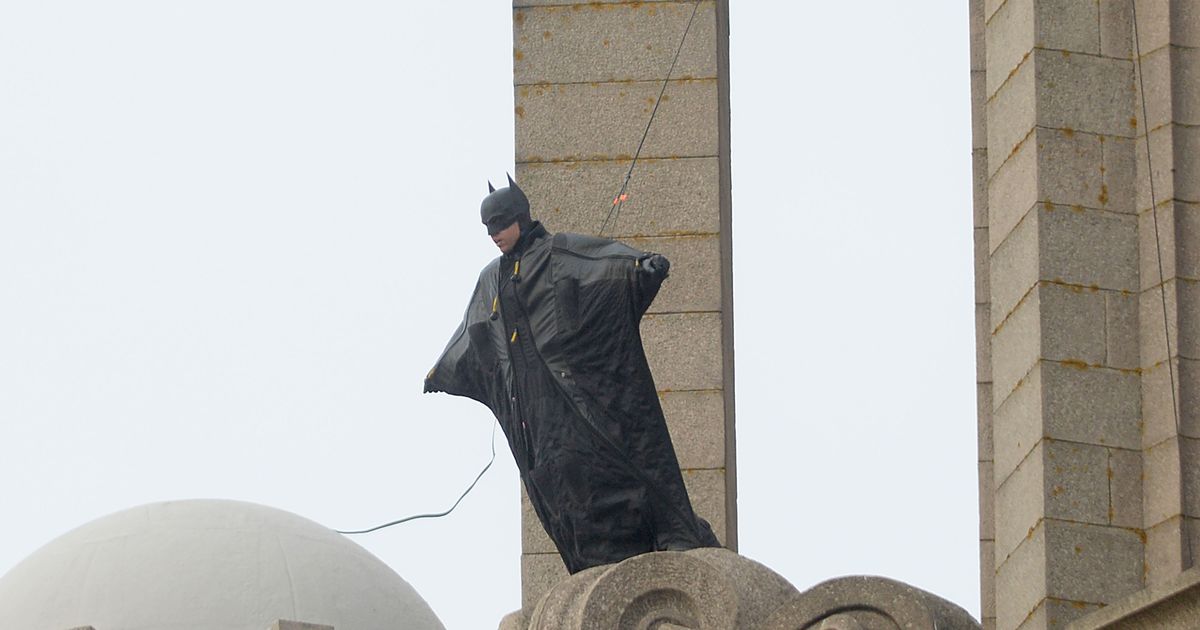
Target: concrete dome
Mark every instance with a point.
(205, 564)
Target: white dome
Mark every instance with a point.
(206, 564)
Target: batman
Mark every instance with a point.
(551, 344)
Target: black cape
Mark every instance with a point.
(551, 344)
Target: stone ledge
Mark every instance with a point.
(1173, 605)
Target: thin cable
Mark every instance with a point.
(439, 514)
(614, 211)
(1162, 283)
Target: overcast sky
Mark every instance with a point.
(234, 236)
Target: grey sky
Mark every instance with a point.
(235, 235)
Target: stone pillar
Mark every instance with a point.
(1058, 273)
(1169, 42)
(586, 77)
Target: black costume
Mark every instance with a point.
(551, 344)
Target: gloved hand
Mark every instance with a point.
(656, 264)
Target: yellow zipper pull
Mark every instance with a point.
(514, 337)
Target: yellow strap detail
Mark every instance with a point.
(517, 268)
(495, 303)
(514, 337)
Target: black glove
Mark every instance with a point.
(656, 264)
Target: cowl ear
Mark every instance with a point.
(491, 188)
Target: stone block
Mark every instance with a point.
(978, 29)
(1018, 424)
(1158, 410)
(1163, 162)
(1014, 269)
(1012, 192)
(1118, 167)
(987, 582)
(1166, 549)
(1156, 77)
(987, 513)
(1116, 29)
(1084, 92)
(983, 344)
(582, 4)
(667, 198)
(706, 489)
(1187, 162)
(1187, 301)
(693, 284)
(1016, 347)
(1154, 26)
(982, 272)
(1185, 85)
(1161, 489)
(613, 42)
(1158, 332)
(1089, 248)
(1020, 502)
(534, 538)
(684, 350)
(605, 121)
(539, 573)
(697, 424)
(1092, 406)
(983, 410)
(1125, 488)
(990, 7)
(1072, 324)
(1070, 173)
(1077, 482)
(1021, 580)
(1156, 245)
(1010, 41)
(1187, 248)
(979, 190)
(1068, 25)
(1185, 23)
(1121, 331)
(978, 110)
(1011, 116)
(1092, 563)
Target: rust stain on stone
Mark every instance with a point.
(1103, 190)
(1066, 53)
(1077, 208)
(547, 35)
(649, 47)
(606, 42)
(1048, 205)
(1078, 549)
(519, 17)
(1133, 123)
(1075, 363)
(1057, 490)
(1068, 132)
(518, 55)
(1078, 605)
(520, 111)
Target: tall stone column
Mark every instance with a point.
(1059, 286)
(1169, 226)
(587, 75)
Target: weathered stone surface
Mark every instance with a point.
(979, 188)
(1125, 488)
(1084, 93)
(1173, 604)
(1121, 331)
(539, 573)
(1018, 425)
(1093, 406)
(1156, 76)
(684, 350)
(983, 404)
(1162, 147)
(983, 344)
(1118, 192)
(982, 268)
(1089, 248)
(1187, 162)
(1012, 114)
(582, 4)
(1185, 80)
(870, 602)
(1068, 25)
(1021, 579)
(706, 489)
(987, 585)
(1158, 409)
(605, 121)
(1116, 29)
(1014, 267)
(1010, 41)
(624, 42)
(1054, 613)
(978, 102)
(695, 269)
(515, 620)
(696, 421)
(1072, 324)
(669, 197)
(1156, 245)
(987, 523)
(1016, 347)
(1013, 192)
(1070, 169)
(1020, 504)
(534, 538)
(1158, 332)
